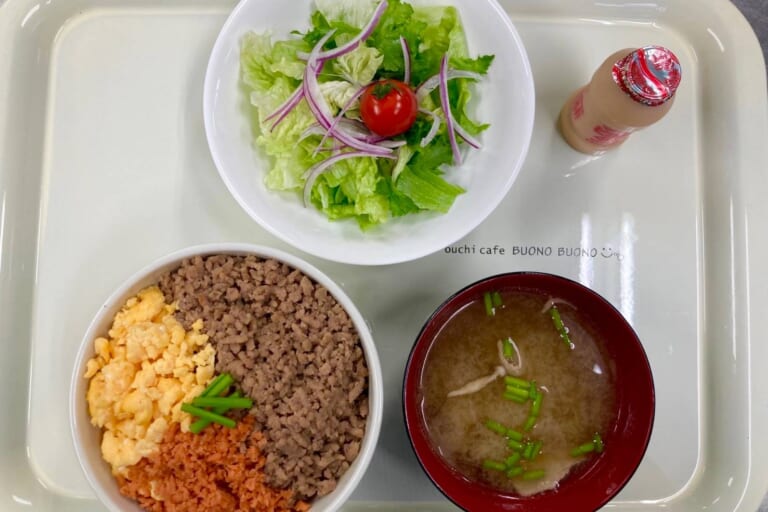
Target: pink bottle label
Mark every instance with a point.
(578, 105)
(607, 136)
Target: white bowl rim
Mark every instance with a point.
(375, 380)
(372, 258)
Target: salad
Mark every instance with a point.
(361, 112)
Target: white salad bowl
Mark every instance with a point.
(504, 99)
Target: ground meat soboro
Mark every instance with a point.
(294, 350)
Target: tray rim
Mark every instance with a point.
(754, 282)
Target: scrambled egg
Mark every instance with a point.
(142, 374)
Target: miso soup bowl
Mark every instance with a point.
(592, 483)
(87, 438)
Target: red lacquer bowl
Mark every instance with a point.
(588, 486)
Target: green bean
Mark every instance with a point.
(515, 445)
(222, 401)
(513, 434)
(200, 424)
(494, 465)
(202, 413)
(214, 382)
(534, 474)
(488, 304)
(220, 386)
(496, 299)
(515, 471)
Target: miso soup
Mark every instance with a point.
(563, 361)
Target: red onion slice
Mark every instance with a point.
(447, 110)
(433, 130)
(388, 143)
(430, 83)
(288, 105)
(353, 43)
(316, 170)
(313, 129)
(321, 110)
(312, 92)
(406, 60)
(464, 134)
(354, 129)
(340, 115)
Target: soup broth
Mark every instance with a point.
(575, 381)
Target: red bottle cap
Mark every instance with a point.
(649, 75)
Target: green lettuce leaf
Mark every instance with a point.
(350, 189)
(427, 190)
(269, 71)
(337, 93)
(352, 12)
(359, 66)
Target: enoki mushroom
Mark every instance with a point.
(507, 367)
(554, 301)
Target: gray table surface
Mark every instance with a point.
(756, 11)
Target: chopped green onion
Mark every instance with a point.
(528, 451)
(518, 383)
(522, 393)
(496, 299)
(536, 405)
(536, 449)
(529, 423)
(513, 434)
(560, 326)
(202, 413)
(488, 304)
(599, 446)
(200, 424)
(515, 445)
(534, 475)
(495, 426)
(514, 398)
(508, 349)
(532, 390)
(583, 449)
(512, 460)
(221, 401)
(515, 471)
(494, 465)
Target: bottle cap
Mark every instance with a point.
(649, 75)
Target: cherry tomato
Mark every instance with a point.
(388, 107)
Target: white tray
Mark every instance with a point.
(104, 167)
